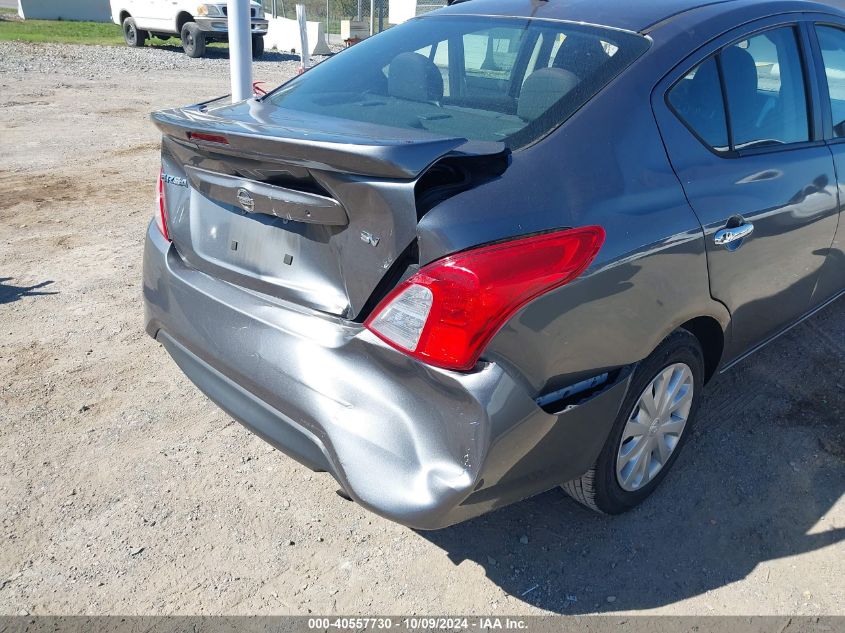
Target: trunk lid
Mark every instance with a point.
(310, 209)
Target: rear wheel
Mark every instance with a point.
(193, 40)
(133, 36)
(648, 433)
(257, 46)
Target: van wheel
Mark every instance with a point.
(133, 36)
(193, 40)
(257, 46)
(649, 431)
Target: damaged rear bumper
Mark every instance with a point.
(421, 446)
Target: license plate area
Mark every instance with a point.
(281, 257)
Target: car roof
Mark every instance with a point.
(631, 15)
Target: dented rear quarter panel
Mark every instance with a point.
(600, 168)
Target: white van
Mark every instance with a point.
(195, 23)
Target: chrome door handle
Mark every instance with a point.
(724, 237)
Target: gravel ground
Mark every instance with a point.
(34, 61)
(125, 491)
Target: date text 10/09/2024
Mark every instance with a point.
(419, 623)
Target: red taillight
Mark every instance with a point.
(446, 313)
(208, 138)
(161, 216)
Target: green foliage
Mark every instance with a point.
(61, 32)
(67, 32)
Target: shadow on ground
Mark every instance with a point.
(766, 461)
(9, 293)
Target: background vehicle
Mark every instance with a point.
(195, 23)
(500, 248)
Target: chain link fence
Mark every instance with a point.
(331, 12)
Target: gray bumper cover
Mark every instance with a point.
(221, 25)
(418, 445)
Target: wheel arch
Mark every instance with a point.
(711, 337)
(182, 19)
(123, 15)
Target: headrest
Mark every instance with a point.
(542, 89)
(415, 77)
(581, 54)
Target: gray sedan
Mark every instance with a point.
(503, 247)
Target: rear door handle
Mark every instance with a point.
(731, 236)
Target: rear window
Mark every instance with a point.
(481, 78)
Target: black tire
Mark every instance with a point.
(599, 488)
(257, 46)
(134, 37)
(193, 40)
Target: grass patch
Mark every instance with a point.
(67, 32)
(59, 32)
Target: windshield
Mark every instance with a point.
(479, 78)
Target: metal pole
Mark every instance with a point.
(358, 15)
(372, 15)
(380, 15)
(240, 49)
(305, 53)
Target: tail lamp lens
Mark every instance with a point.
(161, 215)
(446, 313)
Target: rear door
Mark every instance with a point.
(742, 127)
(830, 56)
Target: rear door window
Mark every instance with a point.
(832, 43)
(697, 100)
(764, 82)
(764, 101)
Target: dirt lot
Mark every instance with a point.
(123, 490)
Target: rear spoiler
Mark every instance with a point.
(255, 129)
